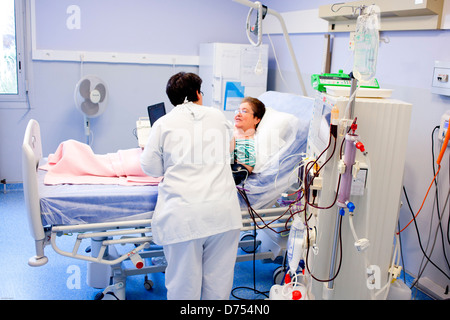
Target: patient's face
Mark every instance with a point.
(244, 118)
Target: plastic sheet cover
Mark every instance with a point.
(78, 204)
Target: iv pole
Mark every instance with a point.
(286, 36)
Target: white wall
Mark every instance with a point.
(405, 64)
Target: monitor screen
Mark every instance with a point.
(319, 131)
(155, 112)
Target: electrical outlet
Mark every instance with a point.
(440, 83)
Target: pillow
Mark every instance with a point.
(274, 131)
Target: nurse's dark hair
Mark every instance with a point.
(258, 107)
(182, 86)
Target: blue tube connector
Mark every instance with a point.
(350, 206)
(342, 211)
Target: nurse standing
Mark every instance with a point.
(197, 218)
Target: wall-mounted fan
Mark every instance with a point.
(90, 99)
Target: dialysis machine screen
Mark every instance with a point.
(319, 131)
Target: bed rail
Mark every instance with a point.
(31, 155)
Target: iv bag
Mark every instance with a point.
(366, 44)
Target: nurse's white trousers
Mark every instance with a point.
(201, 268)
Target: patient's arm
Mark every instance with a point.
(249, 168)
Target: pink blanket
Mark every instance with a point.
(75, 163)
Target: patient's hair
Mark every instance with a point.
(183, 86)
(258, 107)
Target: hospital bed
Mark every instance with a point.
(113, 215)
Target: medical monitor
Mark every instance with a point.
(155, 112)
(319, 131)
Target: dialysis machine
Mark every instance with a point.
(353, 178)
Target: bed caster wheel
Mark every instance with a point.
(107, 296)
(251, 248)
(99, 296)
(148, 284)
(278, 275)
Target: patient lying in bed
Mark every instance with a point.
(279, 140)
(83, 196)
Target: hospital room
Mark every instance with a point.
(225, 150)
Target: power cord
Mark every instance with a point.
(255, 291)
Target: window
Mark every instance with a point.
(12, 79)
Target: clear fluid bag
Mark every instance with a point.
(366, 44)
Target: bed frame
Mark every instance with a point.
(104, 258)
